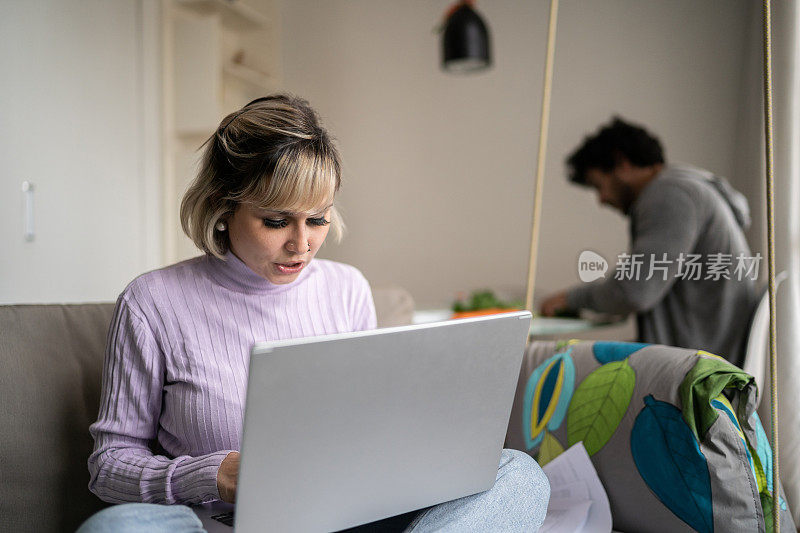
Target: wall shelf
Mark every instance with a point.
(219, 55)
(256, 78)
(235, 14)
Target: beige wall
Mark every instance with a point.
(439, 168)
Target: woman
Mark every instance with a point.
(175, 371)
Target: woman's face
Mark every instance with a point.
(277, 245)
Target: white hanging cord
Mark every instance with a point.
(545, 120)
(773, 360)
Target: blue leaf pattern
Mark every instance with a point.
(764, 452)
(540, 398)
(607, 352)
(549, 386)
(671, 464)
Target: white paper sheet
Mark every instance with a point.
(565, 516)
(572, 476)
(570, 491)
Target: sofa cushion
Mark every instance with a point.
(671, 432)
(51, 358)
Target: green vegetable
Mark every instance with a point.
(482, 299)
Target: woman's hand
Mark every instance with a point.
(228, 477)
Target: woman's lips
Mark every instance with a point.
(290, 268)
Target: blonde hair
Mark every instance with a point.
(272, 154)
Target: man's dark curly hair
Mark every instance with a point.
(604, 149)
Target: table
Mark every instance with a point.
(543, 327)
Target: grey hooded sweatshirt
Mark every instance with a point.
(687, 225)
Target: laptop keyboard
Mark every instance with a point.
(225, 518)
(392, 524)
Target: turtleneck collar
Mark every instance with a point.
(235, 275)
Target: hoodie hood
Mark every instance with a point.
(735, 199)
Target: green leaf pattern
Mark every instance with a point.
(766, 505)
(549, 450)
(599, 404)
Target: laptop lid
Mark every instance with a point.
(346, 429)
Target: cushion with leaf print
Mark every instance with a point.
(672, 432)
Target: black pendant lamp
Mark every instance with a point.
(465, 40)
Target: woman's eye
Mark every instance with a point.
(320, 221)
(273, 223)
(282, 222)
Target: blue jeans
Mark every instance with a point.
(516, 502)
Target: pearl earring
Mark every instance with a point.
(309, 246)
(221, 226)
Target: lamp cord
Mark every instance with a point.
(773, 361)
(543, 126)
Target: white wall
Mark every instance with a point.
(78, 118)
(439, 169)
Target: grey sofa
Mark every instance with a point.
(51, 359)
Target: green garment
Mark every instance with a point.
(704, 382)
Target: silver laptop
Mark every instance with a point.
(346, 429)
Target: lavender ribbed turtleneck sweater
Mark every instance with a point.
(176, 367)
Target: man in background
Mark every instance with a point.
(689, 275)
